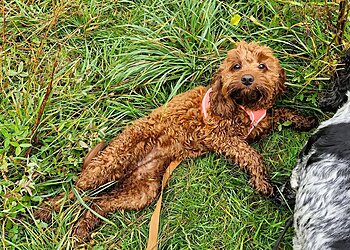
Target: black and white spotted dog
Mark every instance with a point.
(321, 177)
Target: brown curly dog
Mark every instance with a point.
(220, 119)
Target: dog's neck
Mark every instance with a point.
(255, 115)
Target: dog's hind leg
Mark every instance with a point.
(112, 163)
(121, 156)
(97, 172)
(45, 210)
(136, 192)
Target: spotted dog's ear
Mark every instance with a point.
(336, 95)
(331, 100)
(218, 103)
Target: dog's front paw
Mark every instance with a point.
(306, 123)
(263, 186)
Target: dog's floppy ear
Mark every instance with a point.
(331, 100)
(281, 87)
(218, 103)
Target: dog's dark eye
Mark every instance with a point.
(236, 66)
(262, 66)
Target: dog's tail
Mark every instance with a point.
(93, 152)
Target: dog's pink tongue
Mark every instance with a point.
(255, 115)
(258, 115)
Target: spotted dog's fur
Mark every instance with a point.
(322, 175)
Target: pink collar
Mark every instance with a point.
(255, 115)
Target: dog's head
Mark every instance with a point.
(336, 95)
(249, 76)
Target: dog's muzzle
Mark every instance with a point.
(246, 97)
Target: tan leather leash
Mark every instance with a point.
(154, 223)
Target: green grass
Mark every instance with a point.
(111, 62)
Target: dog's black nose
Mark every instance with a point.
(247, 80)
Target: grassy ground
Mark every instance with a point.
(110, 62)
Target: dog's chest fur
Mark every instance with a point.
(182, 119)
